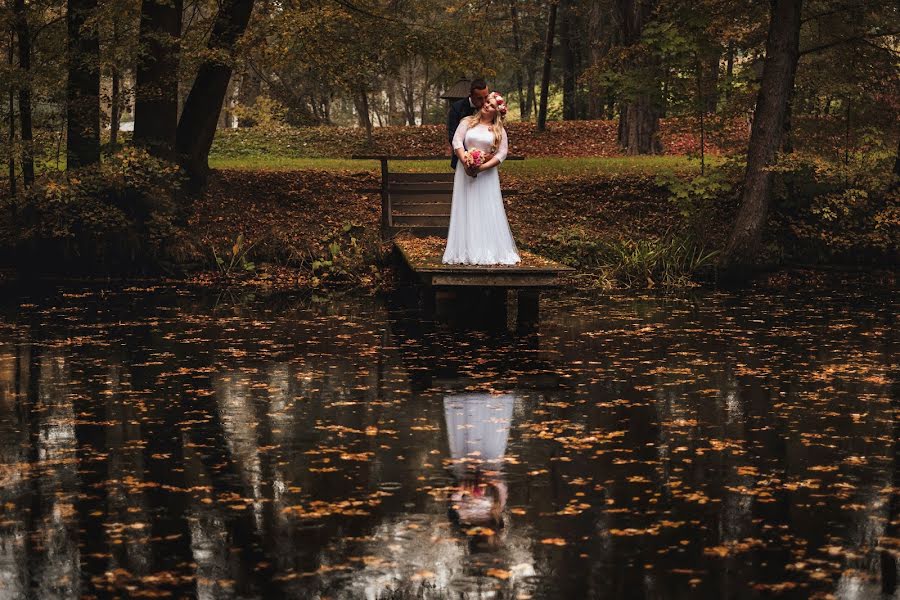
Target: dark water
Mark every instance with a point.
(156, 442)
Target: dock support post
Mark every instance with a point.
(527, 308)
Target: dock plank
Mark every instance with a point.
(423, 256)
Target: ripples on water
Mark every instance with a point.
(166, 442)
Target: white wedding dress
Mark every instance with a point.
(479, 232)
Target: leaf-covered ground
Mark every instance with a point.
(292, 216)
(561, 138)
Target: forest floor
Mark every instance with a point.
(315, 227)
(568, 139)
(294, 195)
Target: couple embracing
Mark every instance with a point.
(479, 233)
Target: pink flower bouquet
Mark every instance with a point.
(474, 157)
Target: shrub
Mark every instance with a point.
(844, 208)
(349, 256)
(672, 259)
(119, 215)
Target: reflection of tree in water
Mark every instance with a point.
(737, 413)
(39, 537)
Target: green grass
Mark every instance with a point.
(539, 166)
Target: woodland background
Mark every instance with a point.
(758, 132)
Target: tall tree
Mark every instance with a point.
(115, 101)
(639, 110)
(156, 78)
(548, 56)
(568, 38)
(12, 117)
(23, 33)
(517, 49)
(197, 126)
(83, 87)
(779, 70)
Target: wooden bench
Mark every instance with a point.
(417, 203)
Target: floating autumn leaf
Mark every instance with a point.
(554, 541)
(481, 531)
(733, 547)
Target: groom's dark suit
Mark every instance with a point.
(459, 110)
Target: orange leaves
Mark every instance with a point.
(732, 548)
(318, 509)
(553, 541)
(359, 456)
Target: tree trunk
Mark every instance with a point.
(711, 82)
(115, 108)
(897, 161)
(787, 137)
(426, 85)
(23, 33)
(701, 113)
(782, 53)
(156, 77)
(250, 89)
(545, 77)
(639, 127)
(391, 106)
(529, 96)
(326, 108)
(729, 70)
(638, 115)
(83, 87)
(517, 52)
(598, 41)
(197, 126)
(12, 120)
(361, 99)
(408, 95)
(567, 41)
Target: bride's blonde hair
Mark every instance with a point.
(495, 100)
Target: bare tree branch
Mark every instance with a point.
(849, 40)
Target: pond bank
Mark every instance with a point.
(315, 228)
(654, 224)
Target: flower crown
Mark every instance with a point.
(500, 102)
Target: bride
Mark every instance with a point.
(479, 232)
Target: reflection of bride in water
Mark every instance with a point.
(477, 433)
(427, 555)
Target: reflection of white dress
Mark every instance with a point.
(479, 232)
(478, 427)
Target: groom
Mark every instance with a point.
(478, 93)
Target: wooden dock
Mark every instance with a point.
(415, 213)
(423, 256)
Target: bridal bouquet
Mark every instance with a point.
(474, 158)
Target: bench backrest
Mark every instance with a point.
(418, 203)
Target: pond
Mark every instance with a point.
(164, 442)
